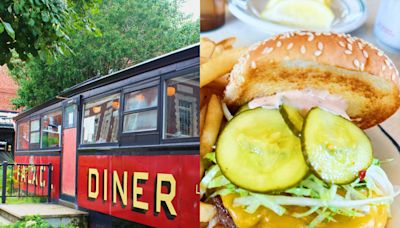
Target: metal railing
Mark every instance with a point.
(16, 181)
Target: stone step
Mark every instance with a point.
(4, 221)
(53, 213)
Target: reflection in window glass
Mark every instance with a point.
(23, 136)
(100, 120)
(51, 129)
(140, 121)
(146, 98)
(69, 116)
(182, 106)
(141, 110)
(35, 134)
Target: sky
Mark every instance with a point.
(193, 7)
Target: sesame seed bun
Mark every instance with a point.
(348, 66)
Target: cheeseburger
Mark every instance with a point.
(293, 152)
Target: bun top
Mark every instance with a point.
(344, 65)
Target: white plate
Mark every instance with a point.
(385, 140)
(349, 15)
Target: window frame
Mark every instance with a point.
(163, 118)
(59, 109)
(145, 137)
(125, 113)
(89, 99)
(35, 118)
(66, 105)
(28, 121)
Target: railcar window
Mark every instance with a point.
(100, 120)
(51, 129)
(35, 134)
(23, 136)
(69, 116)
(181, 107)
(140, 112)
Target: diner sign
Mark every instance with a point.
(154, 190)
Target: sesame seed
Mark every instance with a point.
(365, 53)
(253, 65)
(387, 63)
(290, 45)
(383, 67)
(327, 33)
(310, 37)
(360, 45)
(362, 67)
(350, 47)
(320, 46)
(380, 53)
(317, 33)
(341, 43)
(302, 49)
(279, 43)
(348, 52)
(393, 76)
(317, 53)
(268, 50)
(356, 63)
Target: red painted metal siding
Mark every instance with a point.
(69, 162)
(55, 161)
(184, 168)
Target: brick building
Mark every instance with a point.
(8, 90)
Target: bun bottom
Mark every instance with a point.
(265, 218)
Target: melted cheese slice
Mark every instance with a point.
(265, 218)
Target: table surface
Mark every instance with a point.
(247, 35)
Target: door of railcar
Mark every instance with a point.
(68, 163)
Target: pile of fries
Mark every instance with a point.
(216, 61)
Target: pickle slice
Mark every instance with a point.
(292, 117)
(242, 108)
(336, 149)
(257, 151)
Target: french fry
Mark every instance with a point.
(203, 111)
(212, 125)
(222, 46)
(219, 84)
(227, 43)
(207, 212)
(218, 66)
(207, 47)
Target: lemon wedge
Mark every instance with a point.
(308, 14)
(272, 3)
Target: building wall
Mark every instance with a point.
(8, 89)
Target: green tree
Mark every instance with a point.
(41, 27)
(132, 31)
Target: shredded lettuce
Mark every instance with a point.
(210, 174)
(255, 198)
(322, 199)
(218, 181)
(211, 156)
(319, 219)
(305, 214)
(299, 191)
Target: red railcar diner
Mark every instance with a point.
(124, 147)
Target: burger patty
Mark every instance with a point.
(223, 216)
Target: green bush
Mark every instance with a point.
(34, 221)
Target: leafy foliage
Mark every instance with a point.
(30, 221)
(132, 31)
(41, 27)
